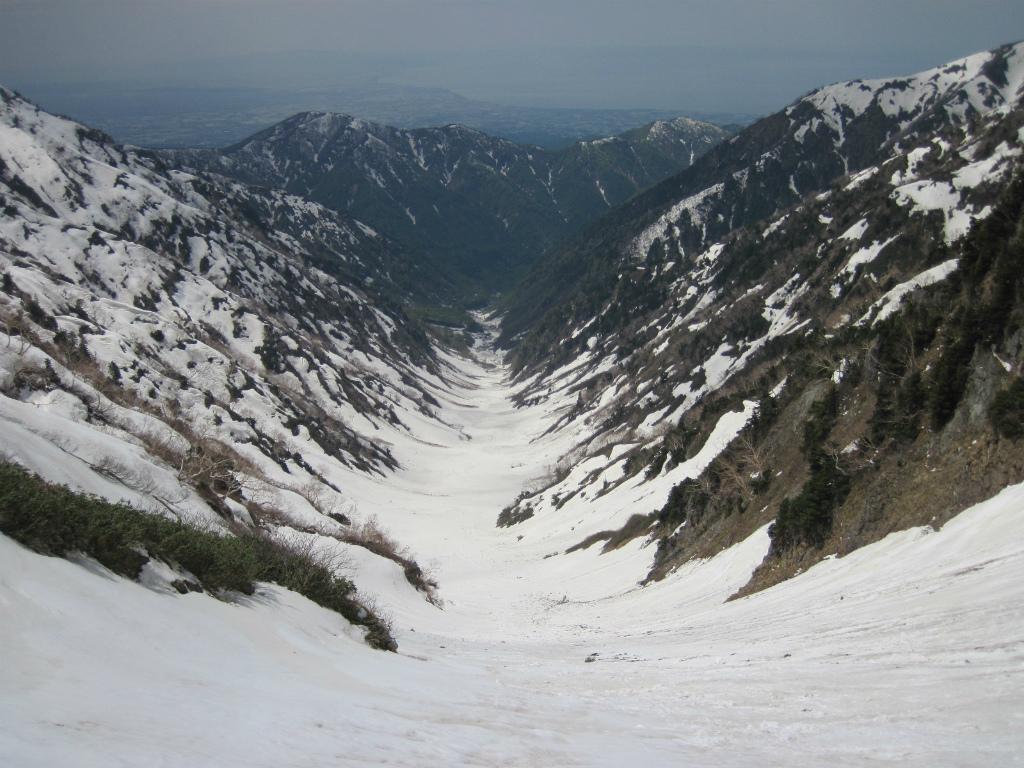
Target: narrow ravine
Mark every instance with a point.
(453, 483)
(910, 650)
(829, 663)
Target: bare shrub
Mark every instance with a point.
(209, 463)
(371, 535)
(734, 478)
(135, 478)
(378, 539)
(743, 469)
(32, 375)
(323, 499)
(215, 469)
(264, 515)
(16, 324)
(317, 551)
(372, 604)
(166, 445)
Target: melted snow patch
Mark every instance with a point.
(913, 160)
(931, 195)
(710, 256)
(859, 178)
(989, 169)
(774, 226)
(777, 307)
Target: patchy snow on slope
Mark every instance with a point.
(710, 256)
(865, 256)
(856, 232)
(901, 97)
(947, 197)
(777, 307)
(931, 195)
(914, 159)
(892, 300)
(692, 206)
(774, 226)
(859, 178)
(981, 171)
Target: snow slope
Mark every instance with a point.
(910, 650)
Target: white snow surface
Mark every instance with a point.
(907, 97)
(907, 651)
(856, 232)
(864, 256)
(892, 299)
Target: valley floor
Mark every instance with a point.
(908, 651)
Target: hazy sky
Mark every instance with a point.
(698, 55)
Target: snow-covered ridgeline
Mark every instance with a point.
(227, 329)
(981, 83)
(922, 174)
(985, 84)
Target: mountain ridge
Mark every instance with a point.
(473, 204)
(747, 179)
(657, 344)
(673, 319)
(750, 445)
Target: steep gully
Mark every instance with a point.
(910, 649)
(863, 657)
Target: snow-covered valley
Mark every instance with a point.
(910, 650)
(703, 489)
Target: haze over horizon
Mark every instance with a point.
(693, 56)
(327, 443)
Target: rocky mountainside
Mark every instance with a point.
(728, 454)
(829, 298)
(847, 274)
(216, 351)
(479, 207)
(768, 168)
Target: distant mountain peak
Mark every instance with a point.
(456, 194)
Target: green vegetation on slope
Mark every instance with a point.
(925, 420)
(54, 520)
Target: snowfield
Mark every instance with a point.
(908, 651)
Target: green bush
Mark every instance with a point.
(807, 518)
(688, 501)
(1007, 410)
(54, 520)
(512, 516)
(950, 376)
